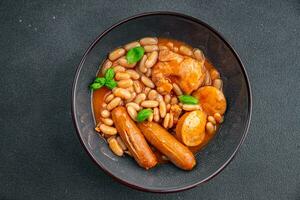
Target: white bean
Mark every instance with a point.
(142, 66)
(139, 98)
(123, 93)
(218, 117)
(131, 45)
(177, 89)
(210, 127)
(162, 109)
(147, 90)
(109, 98)
(188, 107)
(121, 143)
(115, 147)
(166, 120)
(148, 41)
(125, 83)
(133, 74)
(114, 103)
(132, 112)
(122, 76)
(167, 98)
(107, 121)
(119, 68)
(199, 55)
(105, 113)
(123, 62)
(149, 72)
(134, 105)
(106, 65)
(150, 48)
(117, 53)
(131, 89)
(152, 59)
(108, 130)
(152, 95)
(171, 121)
(156, 116)
(211, 119)
(149, 104)
(133, 95)
(214, 74)
(137, 86)
(159, 97)
(168, 107)
(218, 83)
(147, 82)
(150, 118)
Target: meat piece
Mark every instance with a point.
(176, 111)
(187, 72)
(167, 55)
(166, 143)
(133, 138)
(211, 99)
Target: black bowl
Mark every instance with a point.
(218, 153)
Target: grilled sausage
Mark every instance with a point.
(161, 139)
(133, 138)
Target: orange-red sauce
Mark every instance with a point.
(98, 100)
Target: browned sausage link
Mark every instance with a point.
(133, 138)
(179, 154)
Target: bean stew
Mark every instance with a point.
(158, 100)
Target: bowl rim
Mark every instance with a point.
(74, 115)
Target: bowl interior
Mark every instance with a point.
(236, 89)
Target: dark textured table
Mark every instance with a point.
(42, 43)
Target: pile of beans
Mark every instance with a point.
(135, 90)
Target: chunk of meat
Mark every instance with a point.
(176, 111)
(211, 99)
(168, 55)
(187, 72)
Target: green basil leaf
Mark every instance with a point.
(143, 115)
(187, 99)
(100, 80)
(109, 74)
(135, 54)
(95, 86)
(111, 84)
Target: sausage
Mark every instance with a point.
(133, 138)
(166, 143)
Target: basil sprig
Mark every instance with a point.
(143, 115)
(107, 80)
(188, 99)
(135, 54)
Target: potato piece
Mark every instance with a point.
(211, 99)
(191, 128)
